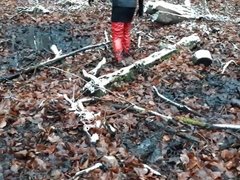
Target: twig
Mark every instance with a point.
(164, 117)
(84, 171)
(106, 36)
(152, 170)
(96, 69)
(227, 126)
(180, 106)
(139, 41)
(134, 107)
(227, 64)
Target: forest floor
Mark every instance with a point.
(41, 138)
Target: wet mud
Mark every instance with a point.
(27, 44)
(214, 91)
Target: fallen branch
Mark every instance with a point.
(204, 125)
(105, 80)
(94, 81)
(139, 109)
(143, 110)
(96, 69)
(51, 61)
(179, 106)
(85, 171)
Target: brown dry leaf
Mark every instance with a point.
(3, 122)
(183, 175)
(216, 175)
(166, 138)
(50, 149)
(5, 106)
(230, 164)
(193, 161)
(19, 121)
(21, 154)
(152, 103)
(39, 95)
(45, 149)
(228, 154)
(84, 165)
(15, 166)
(36, 163)
(41, 164)
(53, 138)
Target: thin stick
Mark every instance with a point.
(95, 166)
(227, 64)
(180, 106)
(152, 170)
(51, 61)
(227, 126)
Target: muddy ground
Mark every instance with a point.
(40, 138)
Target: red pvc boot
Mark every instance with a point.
(126, 38)
(117, 37)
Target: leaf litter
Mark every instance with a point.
(42, 139)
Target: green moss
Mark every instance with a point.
(191, 121)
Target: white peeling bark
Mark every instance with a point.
(101, 82)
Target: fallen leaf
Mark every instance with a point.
(111, 160)
(183, 175)
(228, 154)
(230, 164)
(3, 122)
(184, 158)
(21, 154)
(53, 138)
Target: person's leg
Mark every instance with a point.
(117, 37)
(127, 38)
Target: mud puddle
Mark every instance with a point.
(217, 92)
(26, 45)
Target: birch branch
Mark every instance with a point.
(104, 80)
